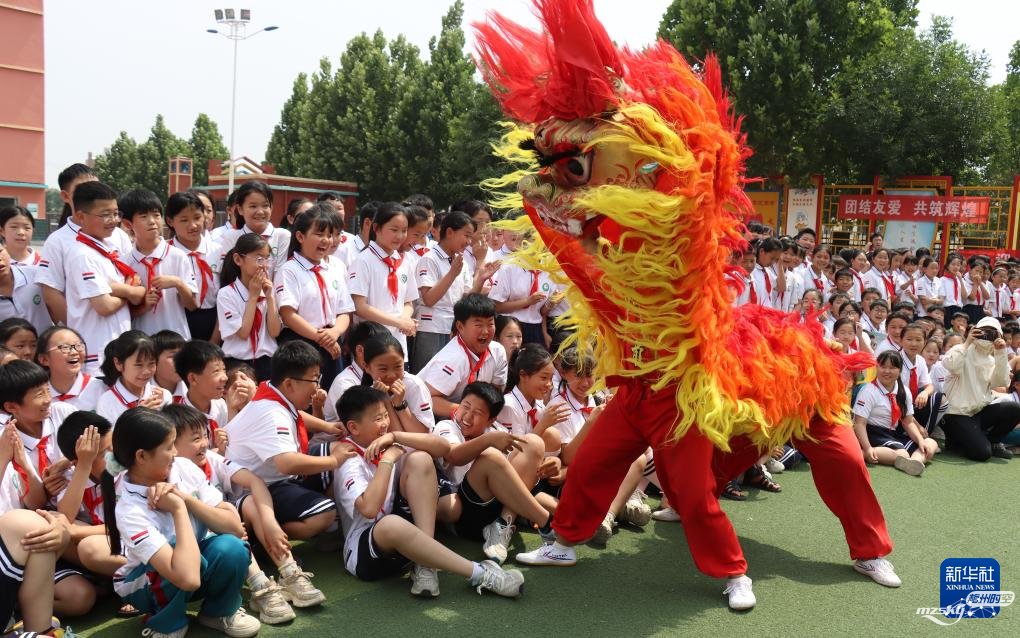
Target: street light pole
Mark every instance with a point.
(238, 21)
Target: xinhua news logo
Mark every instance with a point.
(970, 590)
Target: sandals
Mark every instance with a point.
(732, 492)
(128, 611)
(755, 477)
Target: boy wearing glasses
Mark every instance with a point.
(165, 270)
(100, 285)
(269, 438)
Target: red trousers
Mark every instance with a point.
(693, 472)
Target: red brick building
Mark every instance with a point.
(22, 134)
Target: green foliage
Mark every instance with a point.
(54, 205)
(128, 164)
(391, 122)
(1005, 162)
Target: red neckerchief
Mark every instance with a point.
(267, 392)
(476, 367)
(913, 382)
(207, 468)
(256, 324)
(860, 280)
(534, 281)
(956, 288)
(23, 473)
(890, 286)
(150, 264)
(583, 409)
(127, 404)
(421, 251)
(125, 270)
(531, 410)
(819, 283)
(316, 270)
(893, 406)
(40, 448)
(92, 503)
(67, 395)
(204, 269)
(768, 280)
(750, 288)
(391, 279)
(361, 451)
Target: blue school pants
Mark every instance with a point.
(225, 559)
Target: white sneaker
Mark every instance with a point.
(605, 530)
(298, 589)
(635, 511)
(775, 466)
(913, 467)
(666, 514)
(551, 554)
(505, 582)
(237, 625)
(271, 604)
(879, 570)
(739, 594)
(424, 581)
(497, 535)
(180, 633)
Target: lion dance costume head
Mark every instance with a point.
(641, 151)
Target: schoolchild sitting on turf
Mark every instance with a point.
(252, 497)
(492, 472)
(380, 540)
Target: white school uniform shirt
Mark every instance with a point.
(220, 472)
(471, 262)
(212, 254)
(32, 258)
(900, 278)
(953, 297)
(516, 408)
(449, 370)
(812, 282)
(764, 294)
(878, 280)
(924, 287)
(83, 394)
(144, 531)
(983, 290)
(348, 378)
(352, 479)
(790, 297)
(118, 399)
(938, 375)
(297, 287)
(857, 286)
(262, 430)
(13, 488)
(278, 238)
(579, 412)
(348, 250)
(56, 251)
(872, 403)
(512, 282)
(419, 400)
(450, 430)
(432, 267)
(90, 511)
(89, 275)
(26, 300)
(998, 301)
(168, 313)
(230, 304)
(47, 438)
(918, 364)
(217, 413)
(368, 277)
(744, 296)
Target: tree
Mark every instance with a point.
(54, 205)
(206, 144)
(154, 157)
(120, 165)
(779, 59)
(1005, 162)
(284, 145)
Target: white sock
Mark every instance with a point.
(288, 568)
(476, 573)
(257, 582)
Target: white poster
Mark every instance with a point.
(802, 210)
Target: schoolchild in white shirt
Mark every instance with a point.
(998, 302)
(200, 364)
(928, 403)
(929, 286)
(128, 374)
(382, 540)
(442, 277)
(19, 336)
(61, 351)
(492, 472)
(314, 301)
(352, 245)
(1013, 283)
(381, 281)
(20, 295)
(884, 421)
(254, 205)
(419, 221)
(164, 270)
(180, 539)
(20, 484)
(471, 356)
(168, 344)
(788, 299)
(477, 253)
(246, 306)
(880, 277)
(269, 437)
(906, 279)
(16, 228)
(521, 293)
(353, 374)
(530, 381)
(269, 599)
(859, 265)
(814, 276)
(100, 284)
(84, 439)
(976, 290)
(765, 287)
(410, 404)
(186, 218)
(953, 291)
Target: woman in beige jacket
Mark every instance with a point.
(973, 423)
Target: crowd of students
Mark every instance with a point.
(175, 393)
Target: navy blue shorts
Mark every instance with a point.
(475, 512)
(373, 564)
(293, 501)
(11, 575)
(896, 439)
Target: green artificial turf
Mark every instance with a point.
(645, 584)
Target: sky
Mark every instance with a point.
(136, 59)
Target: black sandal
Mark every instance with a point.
(757, 478)
(732, 492)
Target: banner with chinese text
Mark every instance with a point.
(961, 210)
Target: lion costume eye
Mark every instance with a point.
(576, 171)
